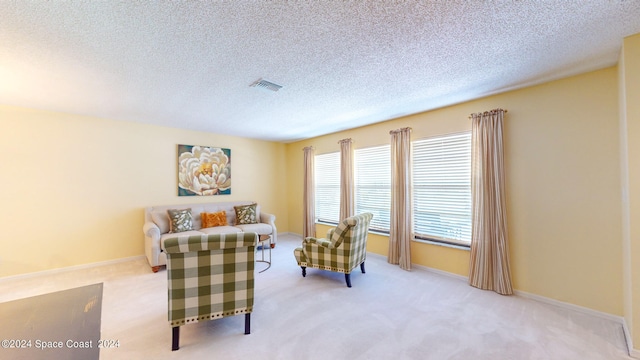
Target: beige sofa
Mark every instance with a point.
(156, 226)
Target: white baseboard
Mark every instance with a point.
(599, 314)
(442, 272)
(546, 300)
(289, 233)
(629, 340)
(569, 306)
(425, 268)
(634, 353)
(71, 268)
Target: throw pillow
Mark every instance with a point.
(181, 220)
(214, 219)
(246, 214)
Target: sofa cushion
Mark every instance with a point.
(161, 219)
(213, 219)
(181, 220)
(260, 228)
(196, 210)
(246, 214)
(221, 230)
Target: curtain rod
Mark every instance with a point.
(488, 112)
(399, 130)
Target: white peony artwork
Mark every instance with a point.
(203, 170)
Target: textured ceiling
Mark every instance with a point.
(342, 64)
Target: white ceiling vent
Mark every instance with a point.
(267, 85)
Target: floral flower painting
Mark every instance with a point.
(203, 170)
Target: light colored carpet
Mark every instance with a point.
(388, 314)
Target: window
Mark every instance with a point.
(442, 188)
(373, 185)
(327, 179)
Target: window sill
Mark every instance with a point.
(424, 241)
(326, 223)
(375, 232)
(444, 244)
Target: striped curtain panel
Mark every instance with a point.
(346, 179)
(489, 263)
(308, 196)
(401, 224)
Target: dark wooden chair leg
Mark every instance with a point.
(348, 278)
(175, 340)
(362, 267)
(247, 323)
(304, 271)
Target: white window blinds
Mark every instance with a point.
(327, 179)
(373, 185)
(442, 188)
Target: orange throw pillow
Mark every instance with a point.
(214, 219)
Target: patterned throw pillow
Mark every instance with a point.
(214, 219)
(181, 220)
(246, 214)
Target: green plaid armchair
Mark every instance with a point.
(344, 248)
(210, 277)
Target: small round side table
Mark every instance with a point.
(265, 240)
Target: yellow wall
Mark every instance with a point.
(563, 181)
(74, 188)
(630, 138)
